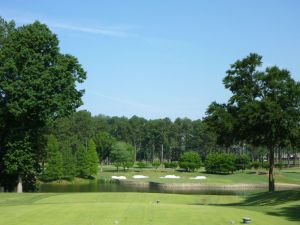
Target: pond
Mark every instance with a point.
(101, 186)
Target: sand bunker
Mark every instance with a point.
(139, 176)
(118, 177)
(198, 178)
(171, 177)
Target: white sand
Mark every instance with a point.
(198, 178)
(139, 176)
(118, 177)
(171, 177)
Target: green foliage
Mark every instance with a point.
(37, 86)
(156, 163)
(172, 165)
(263, 109)
(104, 142)
(242, 162)
(279, 165)
(141, 164)
(54, 162)
(81, 161)
(122, 154)
(19, 158)
(190, 161)
(92, 158)
(256, 165)
(265, 165)
(220, 163)
(69, 163)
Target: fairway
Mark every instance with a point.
(143, 209)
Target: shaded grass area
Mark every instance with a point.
(142, 208)
(281, 203)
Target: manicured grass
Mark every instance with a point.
(142, 209)
(291, 176)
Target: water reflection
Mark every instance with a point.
(100, 186)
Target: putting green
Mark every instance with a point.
(134, 208)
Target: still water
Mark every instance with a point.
(101, 186)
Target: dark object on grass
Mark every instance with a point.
(157, 201)
(246, 220)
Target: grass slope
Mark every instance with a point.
(142, 209)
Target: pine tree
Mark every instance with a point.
(54, 163)
(69, 166)
(81, 161)
(92, 158)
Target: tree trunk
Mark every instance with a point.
(162, 154)
(271, 168)
(135, 150)
(153, 147)
(20, 185)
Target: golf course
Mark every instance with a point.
(148, 208)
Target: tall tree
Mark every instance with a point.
(122, 154)
(81, 161)
(264, 109)
(69, 163)
(37, 85)
(92, 158)
(104, 142)
(54, 164)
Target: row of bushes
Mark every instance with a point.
(221, 163)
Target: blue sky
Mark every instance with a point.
(164, 58)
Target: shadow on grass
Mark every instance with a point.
(291, 172)
(272, 198)
(269, 199)
(290, 212)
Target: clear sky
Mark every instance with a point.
(164, 58)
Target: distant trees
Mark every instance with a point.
(263, 109)
(190, 161)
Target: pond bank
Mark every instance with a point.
(195, 186)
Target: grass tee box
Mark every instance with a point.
(142, 209)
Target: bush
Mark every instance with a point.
(265, 165)
(220, 163)
(256, 165)
(279, 165)
(156, 163)
(141, 164)
(242, 162)
(190, 161)
(172, 165)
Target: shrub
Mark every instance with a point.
(265, 165)
(242, 162)
(256, 165)
(190, 161)
(141, 164)
(279, 165)
(220, 163)
(156, 163)
(172, 165)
